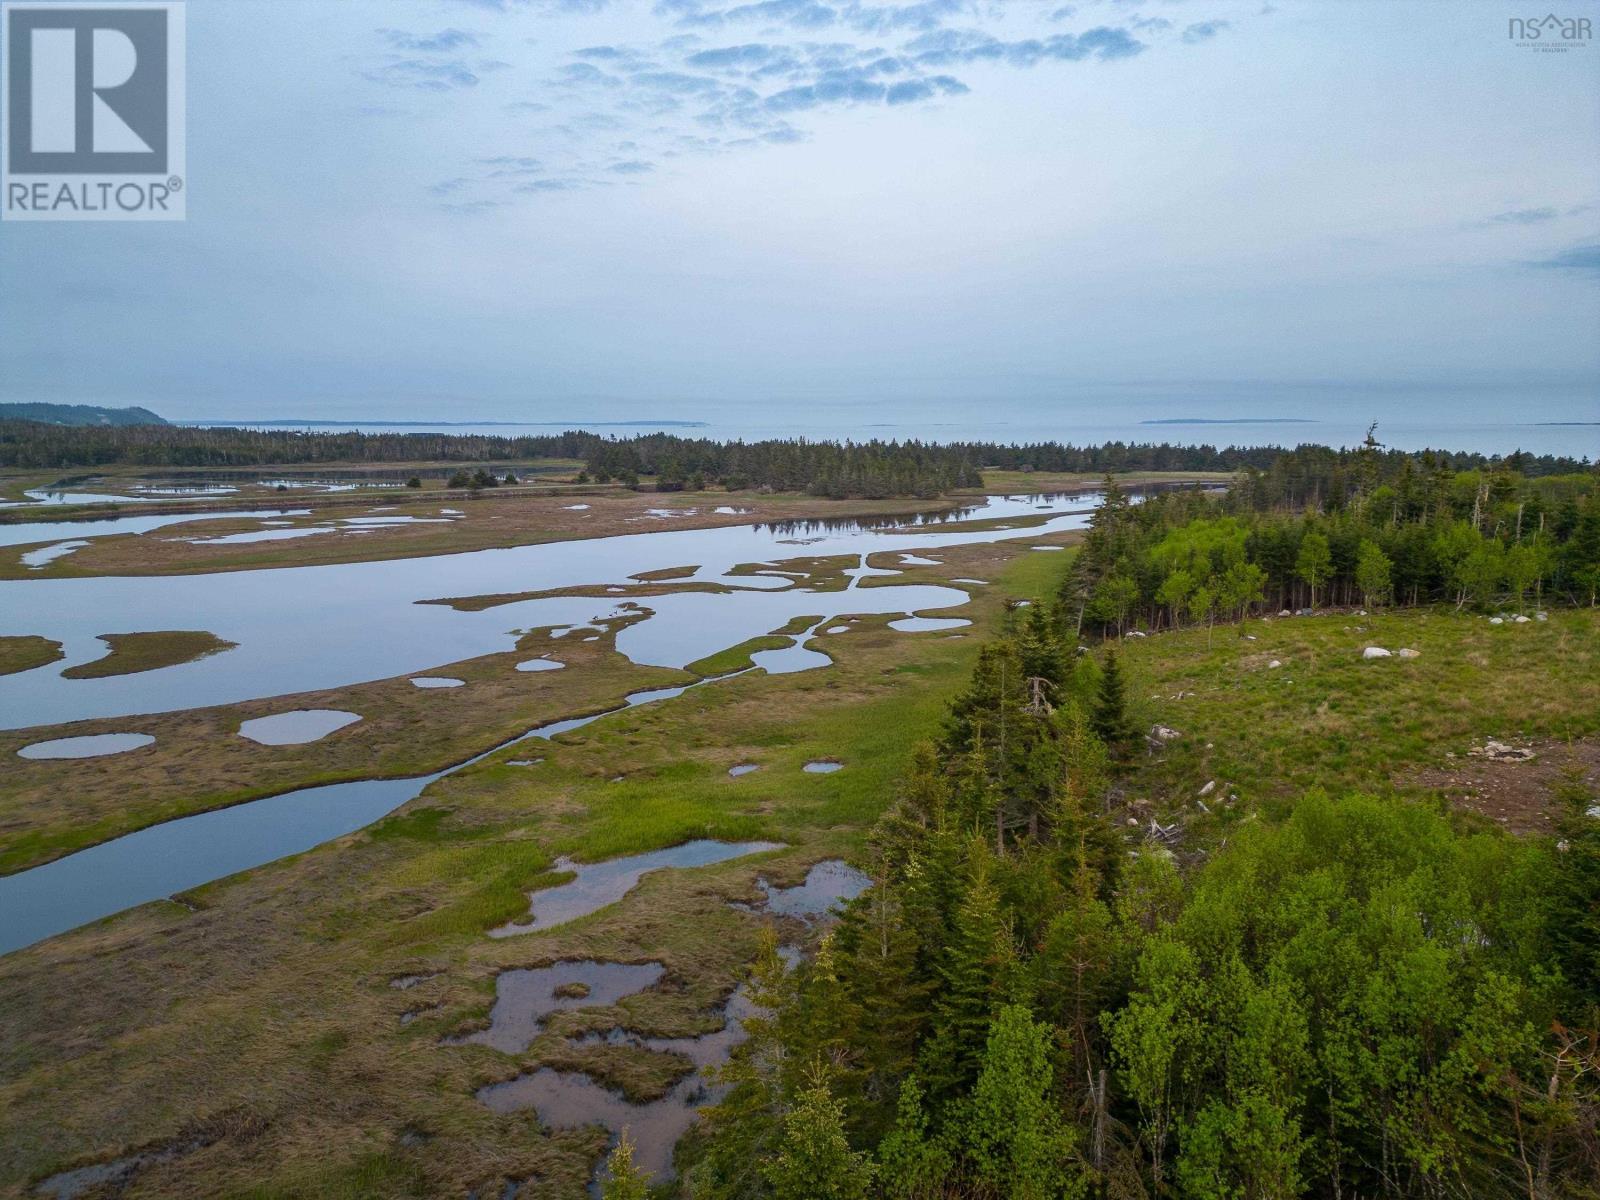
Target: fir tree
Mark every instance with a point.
(1111, 722)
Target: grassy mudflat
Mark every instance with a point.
(219, 1018)
(128, 653)
(487, 520)
(223, 1020)
(198, 762)
(26, 653)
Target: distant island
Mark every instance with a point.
(1231, 421)
(78, 414)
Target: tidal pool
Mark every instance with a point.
(154, 863)
(298, 727)
(45, 555)
(603, 883)
(791, 658)
(313, 628)
(524, 998)
(927, 624)
(571, 1100)
(25, 532)
(93, 746)
(827, 886)
(263, 535)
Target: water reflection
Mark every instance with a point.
(312, 628)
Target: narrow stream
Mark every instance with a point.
(163, 860)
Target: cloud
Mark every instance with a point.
(423, 75)
(1578, 258)
(950, 46)
(912, 90)
(442, 42)
(750, 56)
(1203, 31)
(929, 14)
(796, 14)
(1524, 216)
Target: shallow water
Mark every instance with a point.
(93, 746)
(822, 768)
(298, 727)
(24, 533)
(828, 886)
(743, 769)
(45, 555)
(173, 856)
(524, 998)
(791, 658)
(437, 681)
(264, 535)
(603, 883)
(571, 1100)
(318, 627)
(927, 624)
(540, 664)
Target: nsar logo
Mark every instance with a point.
(1550, 33)
(92, 111)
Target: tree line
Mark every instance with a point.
(1480, 537)
(1355, 1000)
(874, 469)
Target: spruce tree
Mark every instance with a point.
(1111, 722)
(814, 1159)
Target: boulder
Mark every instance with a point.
(1285, 613)
(1519, 619)
(1211, 786)
(1274, 665)
(1164, 733)
(1376, 652)
(1497, 751)
(1133, 633)
(1408, 652)
(1497, 620)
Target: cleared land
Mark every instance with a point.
(216, 1020)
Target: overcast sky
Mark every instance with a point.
(507, 208)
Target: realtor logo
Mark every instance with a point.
(92, 110)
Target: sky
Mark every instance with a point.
(538, 209)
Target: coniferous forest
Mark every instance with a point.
(1353, 997)
(672, 463)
